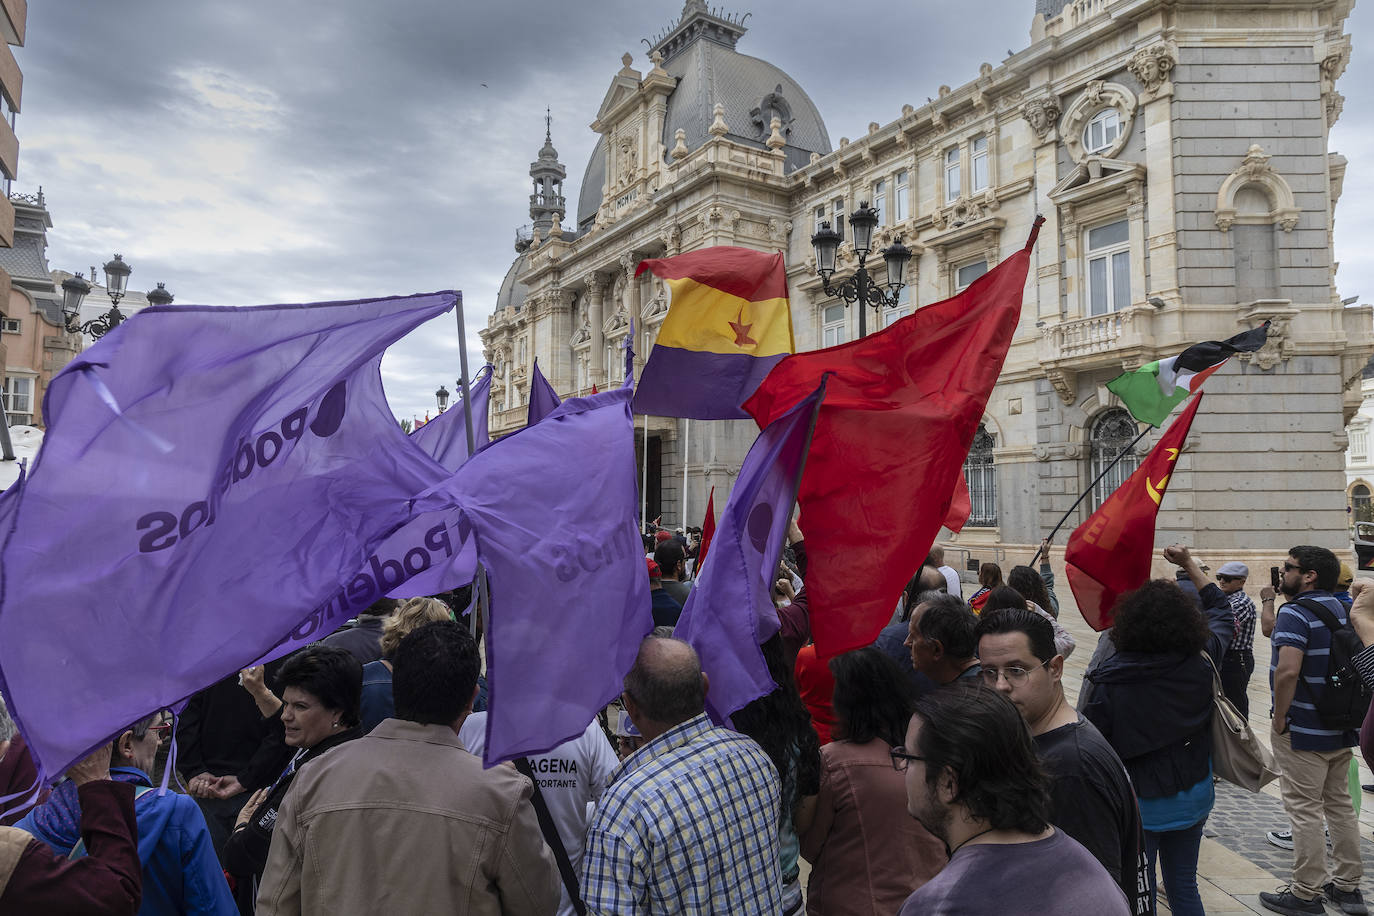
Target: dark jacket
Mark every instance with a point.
(245, 852)
(222, 733)
(1155, 709)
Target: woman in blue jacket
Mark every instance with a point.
(1153, 702)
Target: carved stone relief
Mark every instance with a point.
(1152, 66)
(1042, 113)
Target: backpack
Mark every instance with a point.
(1344, 701)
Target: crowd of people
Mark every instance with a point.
(942, 770)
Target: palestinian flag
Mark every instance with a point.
(1151, 392)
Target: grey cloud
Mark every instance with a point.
(370, 160)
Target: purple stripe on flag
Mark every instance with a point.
(703, 386)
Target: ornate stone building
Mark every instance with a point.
(1179, 152)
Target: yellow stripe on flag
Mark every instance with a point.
(704, 319)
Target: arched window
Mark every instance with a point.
(981, 475)
(1112, 433)
(1360, 504)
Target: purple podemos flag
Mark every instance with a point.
(209, 477)
(445, 438)
(568, 614)
(543, 399)
(730, 611)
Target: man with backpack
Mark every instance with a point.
(1319, 702)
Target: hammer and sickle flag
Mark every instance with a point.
(1110, 553)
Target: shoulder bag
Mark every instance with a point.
(1237, 755)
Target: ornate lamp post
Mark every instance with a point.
(860, 287)
(160, 296)
(75, 290)
(442, 397)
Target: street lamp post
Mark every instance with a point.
(860, 288)
(75, 289)
(442, 397)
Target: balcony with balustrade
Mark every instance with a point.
(1116, 339)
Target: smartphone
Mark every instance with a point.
(1275, 579)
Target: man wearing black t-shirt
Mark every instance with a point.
(1091, 798)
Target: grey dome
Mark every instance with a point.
(751, 90)
(709, 71)
(513, 293)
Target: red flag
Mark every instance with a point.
(900, 412)
(594, 391)
(960, 505)
(708, 528)
(1110, 553)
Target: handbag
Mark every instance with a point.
(1237, 755)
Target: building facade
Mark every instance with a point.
(1179, 152)
(13, 19)
(37, 342)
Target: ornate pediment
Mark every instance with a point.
(1094, 177)
(624, 86)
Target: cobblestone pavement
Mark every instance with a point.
(1236, 861)
(1240, 820)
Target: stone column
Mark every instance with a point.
(596, 290)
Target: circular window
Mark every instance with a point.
(1102, 131)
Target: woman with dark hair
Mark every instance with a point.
(1004, 597)
(781, 725)
(989, 577)
(1028, 582)
(867, 854)
(1153, 703)
(321, 688)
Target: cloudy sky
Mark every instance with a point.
(286, 151)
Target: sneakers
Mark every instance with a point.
(1285, 901)
(1351, 902)
(1283, 839)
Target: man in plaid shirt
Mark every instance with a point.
(1239, 663)
(689, 823)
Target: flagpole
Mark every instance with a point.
(644, 483)
(472, 448)
(1065, 517)
(686, 441)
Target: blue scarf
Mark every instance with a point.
(58, 822)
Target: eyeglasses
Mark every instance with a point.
(1289, 567)
(1014, 674)
(900, 758)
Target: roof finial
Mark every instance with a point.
(548, 125)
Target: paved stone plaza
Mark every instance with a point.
(1236, 861)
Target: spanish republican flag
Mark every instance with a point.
(727, 326)
(1152, 392)
(1110, 553)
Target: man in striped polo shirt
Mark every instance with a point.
(1315, 760)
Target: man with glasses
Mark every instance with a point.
(1091, 798)
(181, 873)
(1239, 662)
(1314, 759)
(974, 781)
